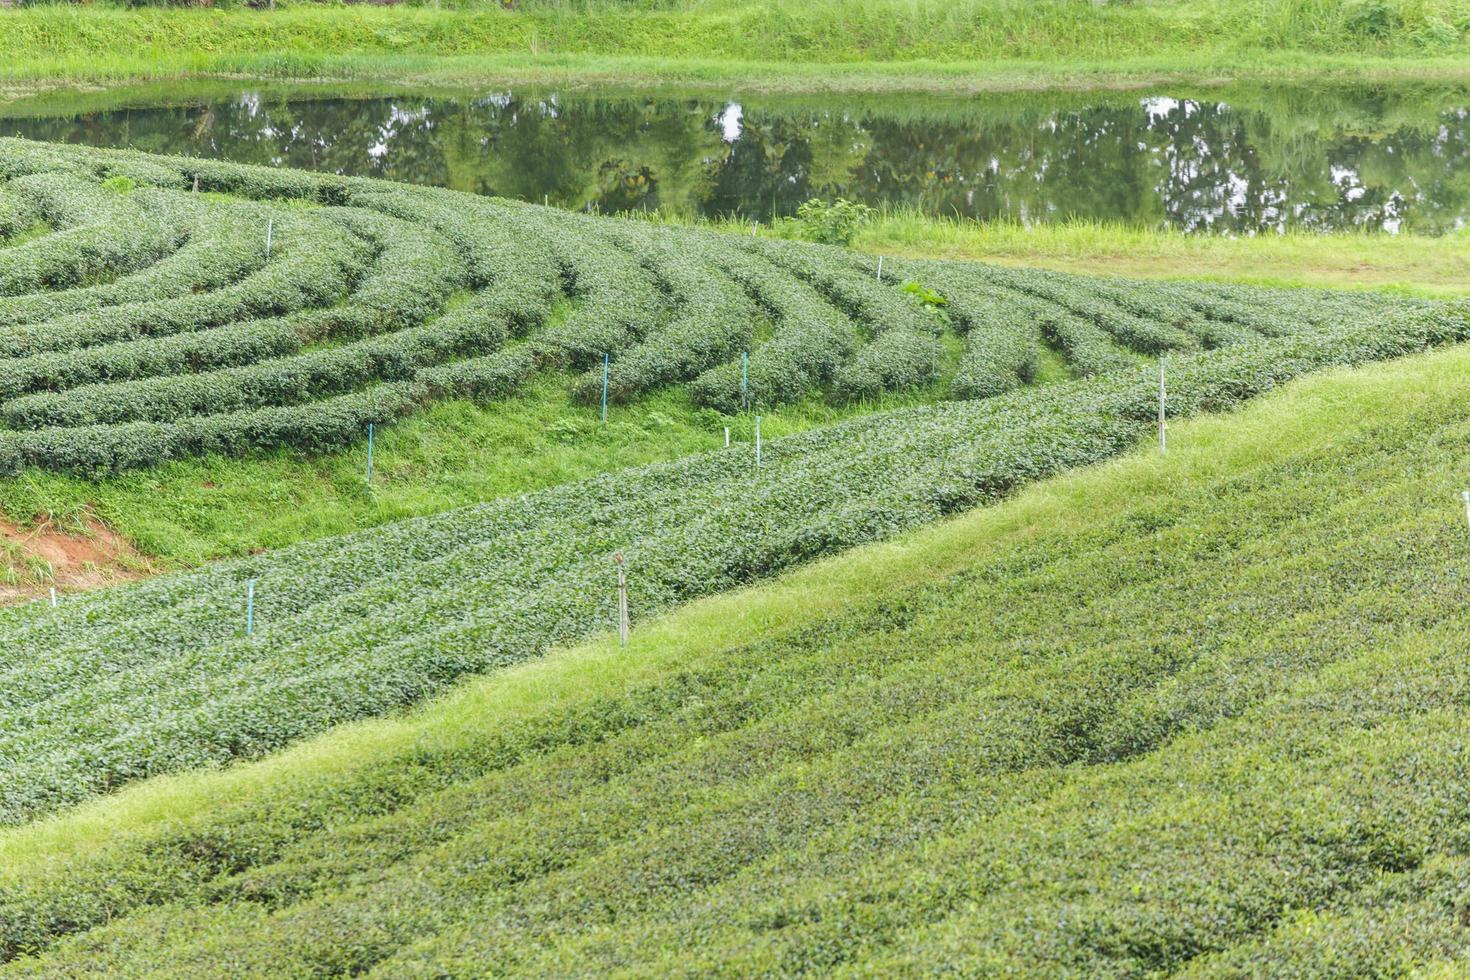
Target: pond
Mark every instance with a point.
(1224, 160)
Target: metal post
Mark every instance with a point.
(605, 359)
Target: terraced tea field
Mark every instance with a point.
(142, 320)
(156, 310)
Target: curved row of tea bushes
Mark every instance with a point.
(17, 215)
(711, 322)
(809, 341)
(159, 676)
(96, 233)
(619, 300)
(902, 352)
(218, 253)
(1002, 351)
(201, 342)
(316, 262)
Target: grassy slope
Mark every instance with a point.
(451, 454)
(837, 44)
(1202, 711)
(459, 453)
(1413, 264)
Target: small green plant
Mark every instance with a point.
(924, 294)
(1372, 18)
(832, 223)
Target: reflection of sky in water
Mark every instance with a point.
(1215, 164)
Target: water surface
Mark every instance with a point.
(1225, 160)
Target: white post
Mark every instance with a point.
(1163, 441)
(53, 597)
(1465, 496)
(880, 268)
(270, 227)
(196, 185)
(727, 437)
(757, 442)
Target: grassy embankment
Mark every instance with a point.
(836, 45)
(1210, 718)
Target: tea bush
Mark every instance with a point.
(143, 322)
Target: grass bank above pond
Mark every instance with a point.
(838, 44)
(1413, 264)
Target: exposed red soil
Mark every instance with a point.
(32, 559)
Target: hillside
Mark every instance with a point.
(146, 324)
(167, 357)
(1200, 714)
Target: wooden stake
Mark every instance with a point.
(250, 608)
(1163, 439)
(622, 598)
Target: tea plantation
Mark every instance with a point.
(1195, 711)
(1199, 714)
(142, 321)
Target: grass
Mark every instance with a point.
(836, 44)
(1410, 264)
(1197, 712)
(1415, 265)
(452, 454)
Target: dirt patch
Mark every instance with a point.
(85, 554)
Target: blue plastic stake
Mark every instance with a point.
(604, 388)
(370, 455)
(250, 608)
(757, 442)
(744, 378)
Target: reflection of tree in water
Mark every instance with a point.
(1295, 160)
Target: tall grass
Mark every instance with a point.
(303, 40)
